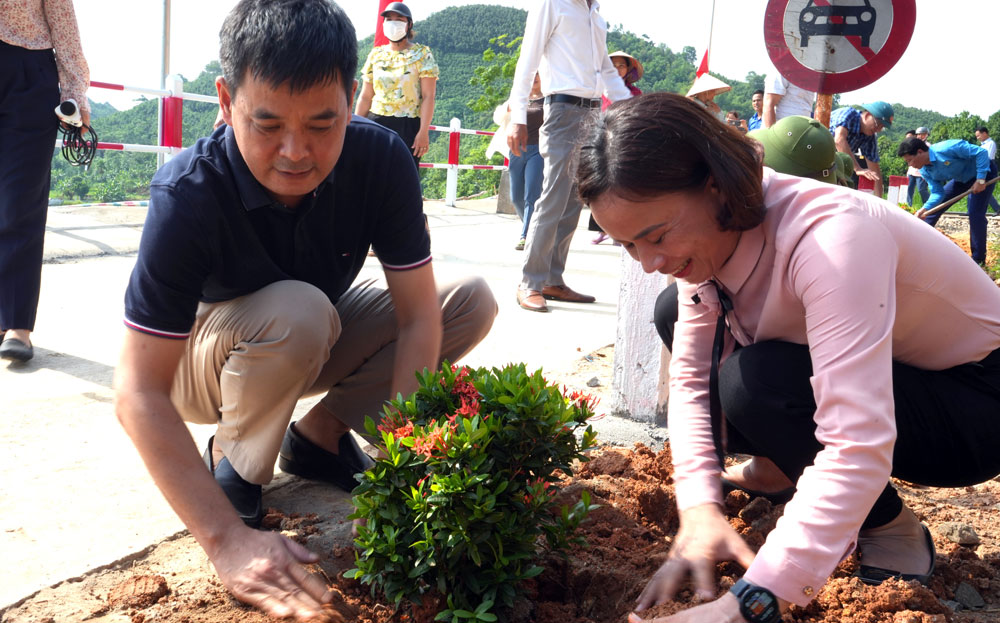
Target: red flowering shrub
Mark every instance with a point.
(465, 492)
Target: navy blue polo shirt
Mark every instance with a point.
(213, 233)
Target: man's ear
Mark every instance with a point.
(350, 98)
(225, 100)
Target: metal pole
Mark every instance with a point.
(711, 27)
(164, 72)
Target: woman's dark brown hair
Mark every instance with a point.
(661, 143)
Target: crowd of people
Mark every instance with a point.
(796, 322)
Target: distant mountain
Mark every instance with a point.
(457, 36)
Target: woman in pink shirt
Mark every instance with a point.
(849, 343)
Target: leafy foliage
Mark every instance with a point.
(466, 488)
(476, 47)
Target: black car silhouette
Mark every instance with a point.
(839, 21)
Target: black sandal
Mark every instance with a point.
(876, 575)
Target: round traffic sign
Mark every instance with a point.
(833, 46)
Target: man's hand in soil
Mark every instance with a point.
(265, 569)
(704, 538)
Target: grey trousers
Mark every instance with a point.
(249, 360)
(557, 211)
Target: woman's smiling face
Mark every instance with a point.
(674, 234)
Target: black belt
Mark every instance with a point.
(562, 98)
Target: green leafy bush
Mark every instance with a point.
(456, 510)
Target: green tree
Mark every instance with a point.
(496, 75)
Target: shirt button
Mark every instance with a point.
(807, 591)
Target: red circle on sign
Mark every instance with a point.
(904, 16)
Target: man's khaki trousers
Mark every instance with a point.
(249, 360)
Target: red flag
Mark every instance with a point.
(380, 39)
(703, 67)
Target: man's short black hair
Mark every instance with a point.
(757, 92)
(296, 43)
(983, 129)
(910, 146)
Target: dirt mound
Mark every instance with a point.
(138, 591)
(628, 538)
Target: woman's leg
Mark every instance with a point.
(946, 420)
(533, 174)
(28, 94)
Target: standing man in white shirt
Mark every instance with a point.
(987, 143)
(565, 41)
(784, 99)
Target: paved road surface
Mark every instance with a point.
(73, 492)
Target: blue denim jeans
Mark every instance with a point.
(525, 183)
(977, 204)
(915, 181)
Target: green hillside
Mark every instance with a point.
(458, 37)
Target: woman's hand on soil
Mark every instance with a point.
(725, 609)
(265, 569)
(705, 537)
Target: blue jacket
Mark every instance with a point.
(953, 159)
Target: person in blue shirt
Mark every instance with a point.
(952, 167)
(757, 102)
(855, 130)
(245, 295)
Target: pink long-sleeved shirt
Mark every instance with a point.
(43, 24)
(862, 283)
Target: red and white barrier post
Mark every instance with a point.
(172, 118)
(454, 141)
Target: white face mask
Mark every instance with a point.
(393, 30)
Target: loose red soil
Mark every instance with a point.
(629, 537)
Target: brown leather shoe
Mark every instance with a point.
(531, 300)
(565, 293)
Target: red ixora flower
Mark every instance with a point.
(432, 441)
(396, 425)
(581, 399)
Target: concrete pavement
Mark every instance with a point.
(74, 494)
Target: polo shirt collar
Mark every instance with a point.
(252, 193)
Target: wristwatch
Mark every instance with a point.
(981, 182)
(757, 604)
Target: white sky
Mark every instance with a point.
(949, 66)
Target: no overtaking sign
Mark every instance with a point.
(833, 46)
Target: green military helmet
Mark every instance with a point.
(799, 146)
(845, 167)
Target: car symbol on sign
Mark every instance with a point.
(838, 21)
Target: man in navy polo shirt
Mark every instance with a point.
(243, 298)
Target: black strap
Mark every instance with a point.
(714, 402)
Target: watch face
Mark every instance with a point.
(760, 606)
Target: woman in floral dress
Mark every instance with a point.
(399, 82)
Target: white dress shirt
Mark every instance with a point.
(990, 147)
(566, 42)
(794, 100)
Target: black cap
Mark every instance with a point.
(398, 7)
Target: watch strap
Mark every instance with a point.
(757, 604)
